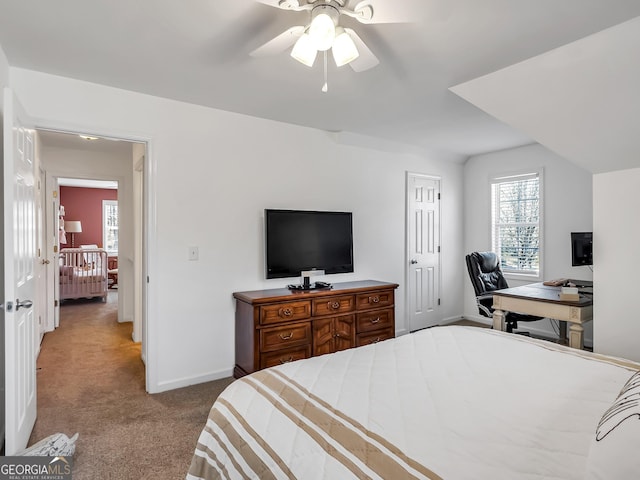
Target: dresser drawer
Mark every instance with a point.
(280, 357)
(285, 336)
(374, 337)
(374, 320)
(332, 305)
(285, 312)
(383, 298)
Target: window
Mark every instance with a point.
(110, 226)
(516, 222)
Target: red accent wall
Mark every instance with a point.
(85, 204)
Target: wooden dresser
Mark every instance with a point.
(279, 326)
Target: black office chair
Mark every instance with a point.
(486, 277)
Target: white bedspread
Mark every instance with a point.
(447, 402)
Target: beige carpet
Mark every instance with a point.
(91, 381)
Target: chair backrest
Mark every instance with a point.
(485, 272)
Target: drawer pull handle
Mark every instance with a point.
(375, 320)
(376, 340)
(286, 360)
(287, 336)
(334, 305)
(285, 312)
(374, 299)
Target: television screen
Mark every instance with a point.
(301, 240)
(581, 248)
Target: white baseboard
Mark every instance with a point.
(188, 381)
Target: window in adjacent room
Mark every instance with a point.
(516, 221)
(110, 226)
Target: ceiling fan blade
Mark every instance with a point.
(367, 59)
(387, 11)
(296, 5)
(271, 3)
(279, 44)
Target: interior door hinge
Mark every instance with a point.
(55, 249)
(438, 302)
(55, 194)
(438, 196)
(55, 303)
(438, 248)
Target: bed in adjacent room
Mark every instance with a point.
(444, 403)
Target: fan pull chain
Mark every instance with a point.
(325, 87)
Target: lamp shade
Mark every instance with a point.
(304, 51)
(72, 226)
(323, 28)
(344, 49)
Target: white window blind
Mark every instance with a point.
(110, 226)
(516, 223)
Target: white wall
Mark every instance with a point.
(616, 259)
(567, 207)
(214, 173)
(77, 163)
(4, 75)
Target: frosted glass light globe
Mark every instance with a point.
(322, 32)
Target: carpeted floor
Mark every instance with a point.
(91, 381)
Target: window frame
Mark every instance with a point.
(511, 177)
(105, 227)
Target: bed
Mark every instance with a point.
(83, 273)
(443, 403)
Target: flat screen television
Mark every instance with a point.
(302, 240)
(581, 248)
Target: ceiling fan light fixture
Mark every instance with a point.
(344, 48)
(304, 51)
(323, 27)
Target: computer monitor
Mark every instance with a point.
(581, 248)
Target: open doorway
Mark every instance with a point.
(94, 202)
(88, 238)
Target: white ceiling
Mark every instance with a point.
(84, 183)
(581, 100)
(51, 139)
(198, 52)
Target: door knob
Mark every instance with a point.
(6, 306)
(45, 261)
(23, 304)
(413, 261)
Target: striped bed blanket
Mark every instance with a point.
(443, 403)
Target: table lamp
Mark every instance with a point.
(73, 227)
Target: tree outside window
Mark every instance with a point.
(110, 226)
(516, 223)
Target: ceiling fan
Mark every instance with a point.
(324, 31)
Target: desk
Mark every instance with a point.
(544, 301)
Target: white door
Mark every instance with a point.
(21, 333)
(42, 261)
(423, 250)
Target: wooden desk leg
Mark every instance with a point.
(562, 338)
(498, 320)
(576, 336)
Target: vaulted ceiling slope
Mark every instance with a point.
(580, 100)
(198, 52)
